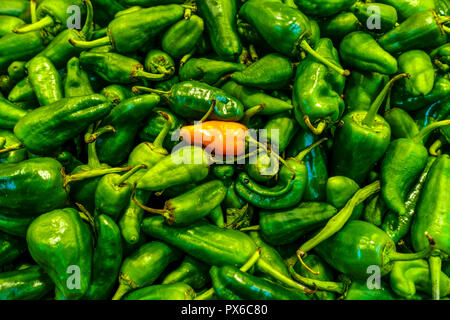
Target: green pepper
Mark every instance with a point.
(174, 291)
(339, 190)
(10, 114)
(216, 216)
(31, 283)
(407, 8)
(402, 124)
(418, 64)
(105, 10)
(284, 126)
(9, 23)
(287, 226)
(347, 251)
(159, 62)
(193, 99)
(60, 51)
(14, 47)
(113, 192)
(432, 217)
(435, 112)
(182, 37)
(61, 243)
(287, 30)
(288, 192)
(192, 205)
(273, 71)
(421, 30)
(116, 68)
(232, 284)
(16, 8)
(323, 8)
(316, 163)
(77, 82)
(130, 32)
(317, 90)
(45, 80)
(45, 129)
(144, 266)
(397, 226)
(251, 97)
(263, 167)
(23, 93)
(249, 35)
(10, 248)
(360, 50)
(53, 16)
(407, 277)
(191, 272)
(208, 70)
(441, 57)
(114, 147)
(117, 93)
(402, 164)
(386, 15)
(220, 21)
(106, 260)
(361, 140)
(17, 71)
(339, 26)
(11, 141)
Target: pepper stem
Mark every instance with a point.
(159, 140)
(33, 11)
(93, 160)
(305, 46)
(304, 152)
(100, 33)
(127, 175)
(208, 113)
(86, 31)
(251, 228)
(338, 221)
(47, 21)
(423, 134)
(329, 286)
(148, 75)
(425, 253)
(373, 111)
(2, 142)
(250, 112)
(315, 130)
(105, 41)
(14, 147)
(121, 291)
(91, 137)
(136, 89)
(446, 29)
(187, 56)
(435, 148)
(435, 263)
(165, 213)
(253, 259)
(299, 256)
(94, 173)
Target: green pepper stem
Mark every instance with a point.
(2, 142)
(329, 286)
(423, 134)
(425, 253)
(159, 140)
(210, 110)
(89, 138)
(304, 152)
(14, 147)
(340, 219)
(33, 11)
(251, 228)
(315, 130)
(435, 263)
(373, 110)
(165, 94)
(163, 212)
(207, 295)
(86, 31)
(264, 267)
(435, 148)
(47, 21)
(251, 112)
(93, 161)
(253, 53)
(121, 291)
(94, 173)
(100, 33)
(127, 175)
(446, 29)
(148, 75)
(187, 56)
(105, 41)
(305, 46)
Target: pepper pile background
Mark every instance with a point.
(86, 155)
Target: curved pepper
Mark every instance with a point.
(23, 94)
(106, 259)
(191, 272)
(418, 64)
(317, 90)
(77, 81)
(144, 266)
(360, 50)
(182, 37)
(273, 71)
(157, 61)
(45, 129)
(348, 252)
(402, 164)
(58, 241)
(220, 21)
(193, 99)
(421, 30)
(45, 80)
(208, 70)
(31, 283)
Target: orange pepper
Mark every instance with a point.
(220, 137)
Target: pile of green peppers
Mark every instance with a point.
(347, 200)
